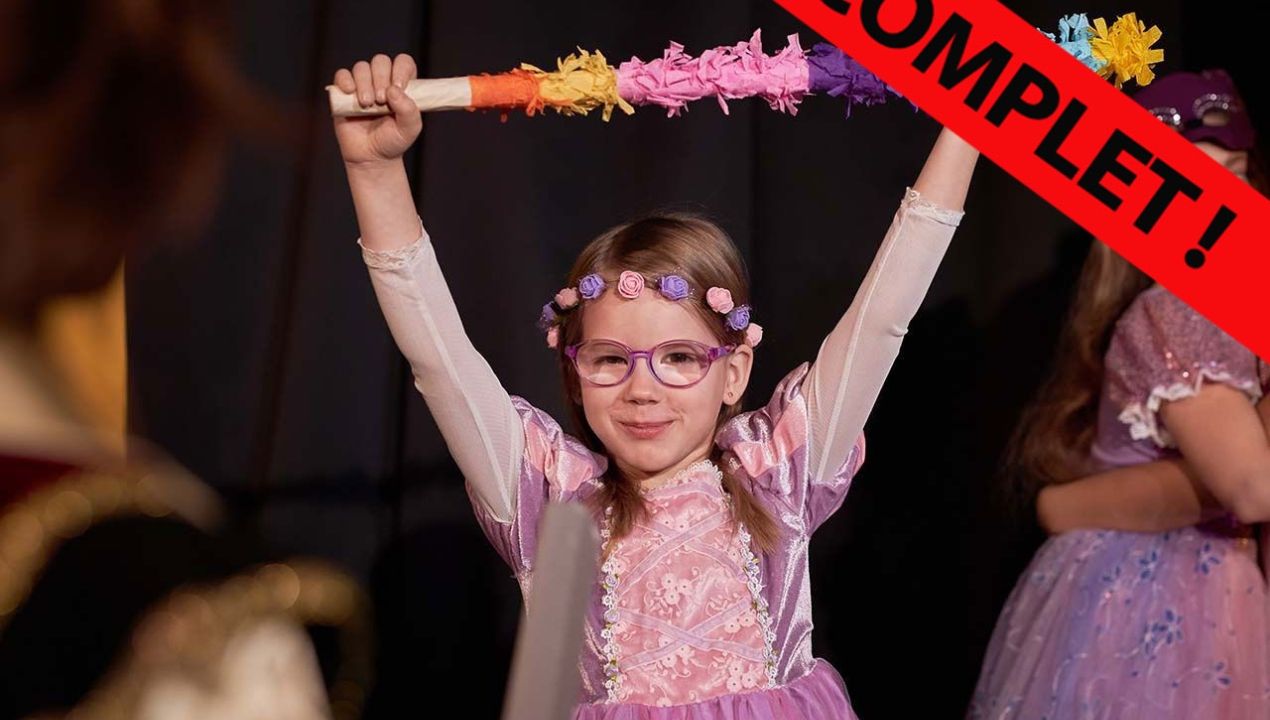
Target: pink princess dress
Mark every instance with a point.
(687, 620)
(1127, 626)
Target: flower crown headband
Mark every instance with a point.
(630, 285)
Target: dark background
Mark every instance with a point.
(258, 356)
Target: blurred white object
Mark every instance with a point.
(267, 672)
(544, 678)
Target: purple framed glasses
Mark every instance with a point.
(674, 363)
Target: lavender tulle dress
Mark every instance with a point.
(1118, 625)
(687, 620)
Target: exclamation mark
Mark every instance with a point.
(1196, 257)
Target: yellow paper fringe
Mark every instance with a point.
(1125, 49)
(581, 83)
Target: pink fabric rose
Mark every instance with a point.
(719, 299)
(753, 334)
(553, 337)
(630, 284)
(567, 298)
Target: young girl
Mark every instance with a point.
(1161, 612)
(702, 605)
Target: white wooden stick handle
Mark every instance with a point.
(430, 95)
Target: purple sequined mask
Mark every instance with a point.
(1201, 106)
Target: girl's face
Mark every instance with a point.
(1235, 161)
(653, 430)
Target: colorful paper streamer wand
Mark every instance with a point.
(584, 82)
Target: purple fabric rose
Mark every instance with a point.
(591, 286)
(673, 287)
(547, 317)
(739, 317)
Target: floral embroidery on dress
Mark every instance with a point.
(685, 618)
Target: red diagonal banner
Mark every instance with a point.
(1075, 140)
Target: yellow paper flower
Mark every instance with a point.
(582, 82)
(1125, 49)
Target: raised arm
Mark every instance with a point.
(471, 408)
(856, 357)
